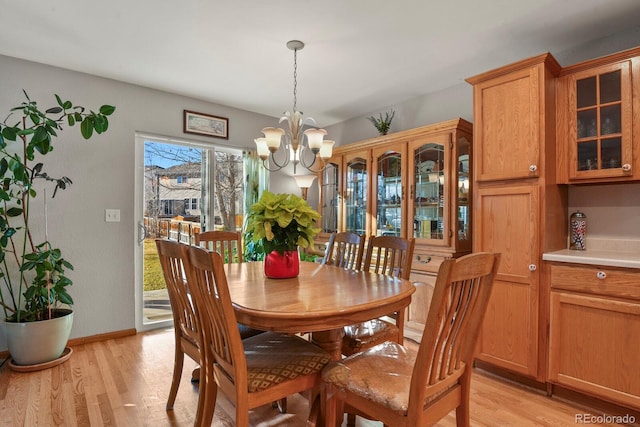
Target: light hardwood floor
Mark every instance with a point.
(125, 382)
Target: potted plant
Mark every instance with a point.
(33, 281)
(278, 224)
(383, 124)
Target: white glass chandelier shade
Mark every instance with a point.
(292, 138)
(304, 181)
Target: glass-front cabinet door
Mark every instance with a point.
(600, 122)
(356, 192)
(388, 191)
(330, 209)
(464, 179)
(428, 186)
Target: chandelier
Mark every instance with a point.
(291, 139)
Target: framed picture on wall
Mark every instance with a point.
(206, 124)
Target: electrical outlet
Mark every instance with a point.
(112, 215)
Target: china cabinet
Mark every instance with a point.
(595, 120)
(518, 211)
(414, 183)
(594, 325)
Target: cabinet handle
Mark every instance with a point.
(626, 167)
(425, 261)
(533, 168)
(601, 275)
(533, 267)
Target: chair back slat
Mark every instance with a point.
(227, 243)
(344, 250)
(182, 308)
(389, 255)
(460, 299)
(210, 290)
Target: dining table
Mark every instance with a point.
(321, 300)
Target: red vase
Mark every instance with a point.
(282, 266)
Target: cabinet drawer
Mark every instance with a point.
(596, 280)
(426, 263)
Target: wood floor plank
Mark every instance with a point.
(125, 382)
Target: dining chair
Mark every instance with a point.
(389, 255)
(251, 372)
(185, 321)
(344, 249)
(186, 324)
(226, 243)
(401, 387)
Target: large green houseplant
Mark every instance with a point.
(276, 226)
(33, 281)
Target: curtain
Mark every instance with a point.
(256, 181)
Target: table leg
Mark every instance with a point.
(331, 341)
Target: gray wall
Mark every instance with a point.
(103, 169)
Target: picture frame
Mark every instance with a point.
(206, 124)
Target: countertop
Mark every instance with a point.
(605, 252)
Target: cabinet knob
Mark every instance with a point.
(423, 261)
(533, 267)
(601, 275)
(533, 168)
(626, 167)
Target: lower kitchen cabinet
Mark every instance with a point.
(595, 332)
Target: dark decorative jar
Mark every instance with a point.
(282, 265)
(578, 226)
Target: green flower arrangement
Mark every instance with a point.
(383, 124)
(281, 222)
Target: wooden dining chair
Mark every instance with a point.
(344, 249)
(392, 256)
(185, 321)
(400, 387)
(226, 243)
(251, 372)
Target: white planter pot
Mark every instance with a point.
(32, 343)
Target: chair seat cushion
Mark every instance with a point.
(273, 358)
(246, 332)
(368, 334)
(382, 375)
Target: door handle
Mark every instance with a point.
(142, 232)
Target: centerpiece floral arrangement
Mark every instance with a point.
(279, 224)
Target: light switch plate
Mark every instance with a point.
(112, 215)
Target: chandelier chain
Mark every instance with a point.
(295, 78)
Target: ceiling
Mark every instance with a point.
(360, 55)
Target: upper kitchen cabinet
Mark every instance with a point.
(510, 124)
(597, 101)
(518, 210)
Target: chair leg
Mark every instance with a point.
(463, 416)
(332, 408)
(281, 405)
(195, 375)
(351, 420)
(177, 374)
(206, 401)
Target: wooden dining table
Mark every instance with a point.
(321, 300)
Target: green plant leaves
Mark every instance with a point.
(282, 222)
(33, 274)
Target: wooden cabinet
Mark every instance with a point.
(414, 183)
(518, 211)
(594, 330)
(595, 124)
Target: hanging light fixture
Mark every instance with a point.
(291, 139)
